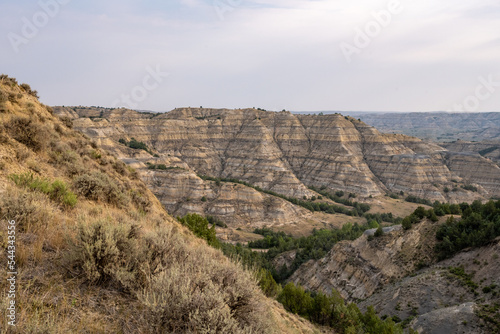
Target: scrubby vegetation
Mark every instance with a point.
(326, 310)
(96, 252)
(99, 186)
(135, 144)
(181, 288)
(314, 246)
(488, 150)
(308, 204)
(466, 279)
(479, 224)
(199, 226)
(56, 190)
(418, 200)
(382, 217)
(338, 197)
(162, 166)
(491, 316)
(331, 310)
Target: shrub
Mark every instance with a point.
(432, 215)
(469, 187)
(120, 167)
(3, 96)
(140, 200)
(295, 299)
(216, 221)
(379, 232)
(28, 132)
(476, 228)
(199, 295)
(28, 90)
(267, 283)
(199, 226)
(182, 288)
(98, 186)
(108, 255)
(28, 209)
(67, 121)
(420, 212)
(406, 223)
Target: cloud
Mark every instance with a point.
(271, 54)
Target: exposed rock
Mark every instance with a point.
(488, 149)
(284, 259)
(180, 191)
(287, 153)
(358, 268)
(454, 319)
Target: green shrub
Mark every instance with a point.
(415, 199)
(379, 232)
(216, 221)
(332, 311)
(57, 190)
(469, 187)
(295, 299)
(267, 283)
(406, 223)
(199, 226)
(479, 225)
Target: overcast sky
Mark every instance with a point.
(299, 55)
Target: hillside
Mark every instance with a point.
(399, 274)
(96, 252)
(489, 149)
(280, 153)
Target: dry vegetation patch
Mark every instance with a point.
(113, 261)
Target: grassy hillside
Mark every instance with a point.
(94, 249)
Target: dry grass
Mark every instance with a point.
(90, 269)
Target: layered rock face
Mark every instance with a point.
(180, 192)
(287, 153)
(358, 268)
(441, 301)
(488, 149)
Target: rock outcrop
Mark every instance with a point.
(288, 153)
(488, 149)
(358, 268)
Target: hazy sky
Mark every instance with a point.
(365, 55)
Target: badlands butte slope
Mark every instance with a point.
(280, 152)
(96, 252)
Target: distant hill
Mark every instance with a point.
(284, 153)
(437, 126)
